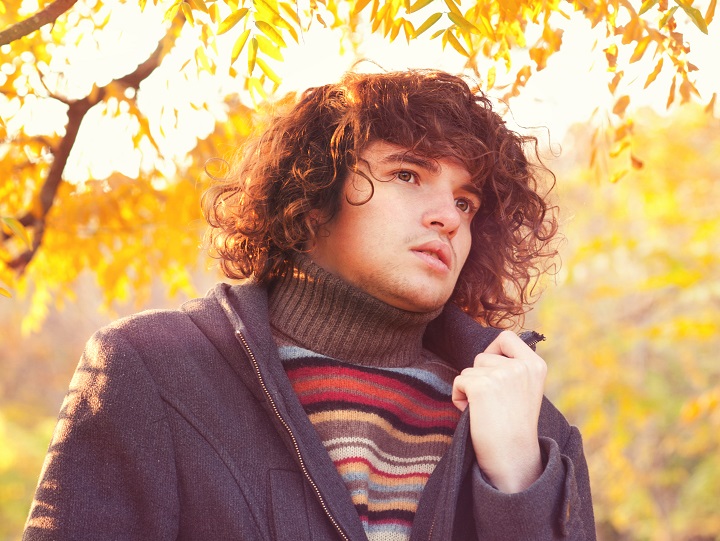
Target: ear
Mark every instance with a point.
(314, 220)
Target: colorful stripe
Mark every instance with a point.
(384, 428)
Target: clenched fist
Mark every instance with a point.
(504, 390)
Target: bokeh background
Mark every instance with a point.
(114, 117)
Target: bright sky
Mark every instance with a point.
(573, 84)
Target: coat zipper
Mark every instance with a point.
(532, 338)
(285, 425)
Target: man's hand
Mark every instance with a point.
(504, 390)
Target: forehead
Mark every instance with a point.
(381, 152)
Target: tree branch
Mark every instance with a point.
(77, 110)
(41, 18)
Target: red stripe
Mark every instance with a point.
(336, 387)
(344, 372)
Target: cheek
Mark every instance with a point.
(464, 244)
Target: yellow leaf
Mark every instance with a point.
(266, 11)
(4, 292)
(255, 85)
(640, 49)
(615, 81)
(409, 30)
(268, 71)
(687, 88)
(359, 6)
(435, 17)
(667, 17)
(453, 7)
(202, 59)
(417, 6)
(19, 230)
(646, 5)
(463, 23)
(671, 94)
(239, 45)
(710, 13)
(231, 20)
(492, 73)
(187, 11)
(268, 48)
(284, 23)
(694, 14)
(199, 5)
(651, 78)
(456, 44)
(287, 8)
(620, 105)
(636, 162)
(395, 30)
(252, 55)
(611, 54)
(710, 107)
(172, 12)
(271, 32)
(614, 153)
(618, 175)
(214, 13)
(379, 16)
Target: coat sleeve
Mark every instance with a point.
(558, 506)
(109, 472)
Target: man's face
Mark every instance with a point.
(407, 245)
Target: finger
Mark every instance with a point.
(459, 398)
(488, 360)
(509, 344)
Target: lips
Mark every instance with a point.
(435, 250)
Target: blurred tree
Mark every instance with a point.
(634, 328)
(66, 81)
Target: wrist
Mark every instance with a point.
(516, 473)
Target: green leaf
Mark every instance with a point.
(435, 17)
(19, 230)
(647, 5)
(417, 6)
(695, 16)
(231, 20)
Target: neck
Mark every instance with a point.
(319, 311)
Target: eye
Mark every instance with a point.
(406, 176)
(465, 205)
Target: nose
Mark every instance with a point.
(442, 214)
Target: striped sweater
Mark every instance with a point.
(384, 428)
(380, 403)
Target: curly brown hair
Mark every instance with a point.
(263, 213)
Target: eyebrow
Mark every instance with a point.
(414, 159)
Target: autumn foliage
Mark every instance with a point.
(112, 120)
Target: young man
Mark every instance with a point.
(346, 391)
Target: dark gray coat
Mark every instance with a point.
(183, 425)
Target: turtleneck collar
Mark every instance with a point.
(315, 309)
